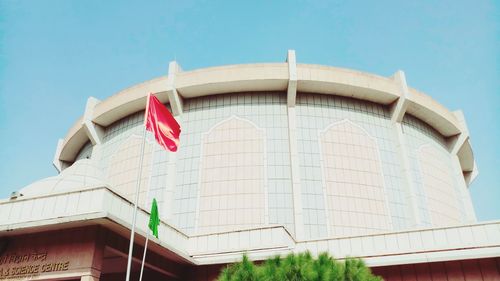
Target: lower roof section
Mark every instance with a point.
(103, 206)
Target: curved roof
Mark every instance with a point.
(81, 175)
(269, 77)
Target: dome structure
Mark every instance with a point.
(81, 175)
(322, 151)
(274, 158)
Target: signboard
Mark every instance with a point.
(28, 265)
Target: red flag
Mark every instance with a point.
(162, 124)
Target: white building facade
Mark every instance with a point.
(313, 157)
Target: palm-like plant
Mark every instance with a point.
(356, 270)
(271, 270)
(328, 269)
(241, 271)
(299, 267)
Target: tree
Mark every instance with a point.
(298, 267)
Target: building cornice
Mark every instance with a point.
(264, 77)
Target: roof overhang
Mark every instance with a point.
(268, 77)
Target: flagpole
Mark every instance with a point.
(148, 193)
(145, 204)
(137, 188)
(144, 255)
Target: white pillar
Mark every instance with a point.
(292, 78)
(176, 102)
(398, 111)
(294, 155)
(94, 132)
(464, 193)
(455, 145)
(58, 164)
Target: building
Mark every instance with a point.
(274, 158)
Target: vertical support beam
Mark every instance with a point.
(464, 193)
(176, 102)
(294, 155)
(58, 164)
(455, 145)
(171, 179)
(398, 111)
(94, 131)
(292, 78)
(410, 188)
(98, 255)
(471, 176)
(295, 171)
(457, 142)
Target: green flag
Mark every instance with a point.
(154, 219)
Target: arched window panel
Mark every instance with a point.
(439, 186)
(124, 168)
(232, 180)
(353, 181)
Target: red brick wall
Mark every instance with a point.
(465, 270)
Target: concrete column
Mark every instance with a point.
(471, 176)
(294, 156)
(94, 131)
(295, 171)
(398, 111)
(464, 193)
(292, 78)
(171, 180)
(409, 184)
(58, 164)
(176, 102)
(455, 145)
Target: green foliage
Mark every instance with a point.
(299, 267)
(241, 271)
(356, 270)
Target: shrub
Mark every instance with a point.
(298, 267)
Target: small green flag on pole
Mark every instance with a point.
(154, 219)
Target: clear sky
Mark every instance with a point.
(55, 54)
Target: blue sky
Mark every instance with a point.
(55, 54)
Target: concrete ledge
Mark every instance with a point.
(97, 205)
(268, 77)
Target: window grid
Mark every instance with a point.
(267, 111)
(122, 140)
(355, 192)
(232, 187)
(317, 112)
(418, 135)
(438, 185)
